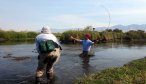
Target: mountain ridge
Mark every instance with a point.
(119, 26)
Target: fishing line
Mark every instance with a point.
(109, 16)
(108, 26)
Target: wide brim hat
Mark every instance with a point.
(46, 29)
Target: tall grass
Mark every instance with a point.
(13, 35)
(131, 73)
(107, 35)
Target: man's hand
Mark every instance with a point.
(71, 37)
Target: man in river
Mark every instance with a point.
(86, 44)
(49, 50)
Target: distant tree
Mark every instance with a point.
(142, 31)
(31, 34)
(93, 29)
(109, 30)
(88, 28)
(13, 35)
(117, 30)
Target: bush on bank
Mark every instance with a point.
(105, 36)
(131, 73)
(13, 35)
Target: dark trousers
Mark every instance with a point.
(45, 64)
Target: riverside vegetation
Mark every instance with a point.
(22, 35)
(131, 73)
(13, 35)
(103, 36)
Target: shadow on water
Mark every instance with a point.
(85, 65)
(16, 42)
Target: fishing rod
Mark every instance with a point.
(108, 26)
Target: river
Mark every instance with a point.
(18, 61)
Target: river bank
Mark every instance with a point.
(132, 73)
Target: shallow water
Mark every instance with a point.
(70, 66)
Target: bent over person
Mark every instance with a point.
(49, 49)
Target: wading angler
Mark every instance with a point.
(49, 50)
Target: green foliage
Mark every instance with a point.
(79, 34)
(117, 30)
(2, 33)
(31, 34)
(88, 28)
(108, 30)
(132, 73)
(107, 35)
(13, 35)
(135, 35)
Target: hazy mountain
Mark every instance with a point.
(122, 27)
(125, 28)
(56, 30)
(130, 27)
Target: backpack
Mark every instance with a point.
(46, 46)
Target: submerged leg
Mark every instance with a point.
(49, 68)
(40, 69)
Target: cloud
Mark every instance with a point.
(71, 13)
(76, 21)
(129, 12)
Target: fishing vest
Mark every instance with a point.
(47, 46)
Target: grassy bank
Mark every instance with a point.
(104, 36)
(131, 73)
(13, 35)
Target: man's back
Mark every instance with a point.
(86, 44)
(42, 37)
(45, 37)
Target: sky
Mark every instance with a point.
(64, 14)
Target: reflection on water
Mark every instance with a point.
(86, 64)
(70, 66)
(16, 42)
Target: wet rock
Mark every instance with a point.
(7, 56)
(16, 58)
(20, 58)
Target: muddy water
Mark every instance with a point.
(18, 62)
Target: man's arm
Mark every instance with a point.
(37, 45)
(75, 39)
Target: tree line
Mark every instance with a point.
(22, 35)
(13, 35)
(104, 36)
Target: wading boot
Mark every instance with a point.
(38, 80)
(50, 77)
